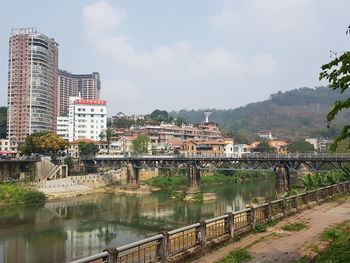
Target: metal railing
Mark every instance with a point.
(179, 243)
(245, 156)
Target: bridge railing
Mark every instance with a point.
(244, 156)
(179, 243)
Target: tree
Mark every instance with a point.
(179, 121)
(123, 122)
(28, 147)
(300, 146)
(140, 144)
(45, 143)
(160, 115)
(3, 121)
(337, 72)
(70, 164)
(87, 148)
(50, 144)
(264, 147)
(106, 136)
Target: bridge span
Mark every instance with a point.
(281, 164)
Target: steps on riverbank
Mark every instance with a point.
(61, 185)
(78, 183)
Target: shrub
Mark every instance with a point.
(272, 222)
(32, 197)
(13, 193)
(165, 182)
(258, 228)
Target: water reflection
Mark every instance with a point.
(63, 230)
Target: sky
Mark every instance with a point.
(196, 54)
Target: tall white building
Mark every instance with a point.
(86, 119)
(32, 84)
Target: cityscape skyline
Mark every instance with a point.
(145, 57)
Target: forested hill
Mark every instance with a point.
(299, 112)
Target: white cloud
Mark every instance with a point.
(171, 76)
(266, 17)
(101, 19)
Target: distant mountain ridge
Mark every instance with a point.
(290, 114)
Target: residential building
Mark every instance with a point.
(163, 135)
(63, 127)
(73, 148)
(280, 146)
(194, 148)
(267, 135)
(8, 146)
(240, 149)
(32, 83)
(320, 144)
(86, 119)
(86, 86)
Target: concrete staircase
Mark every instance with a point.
(60, 185)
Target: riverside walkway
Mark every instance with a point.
(278, 245)
(179, 244)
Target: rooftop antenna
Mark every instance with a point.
(207, 114)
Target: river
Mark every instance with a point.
(60, 231)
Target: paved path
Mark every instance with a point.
(281, 246)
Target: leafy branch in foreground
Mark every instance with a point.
(337, 72)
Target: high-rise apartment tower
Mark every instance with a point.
(32, 83)
(86, 86)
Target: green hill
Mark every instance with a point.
(296, 113)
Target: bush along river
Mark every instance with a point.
(60, 231)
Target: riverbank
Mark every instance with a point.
(280, 245)
(180, 181)
(18, 193)
(71, 194)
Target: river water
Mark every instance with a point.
(60, 231)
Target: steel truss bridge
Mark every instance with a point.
(281, 164)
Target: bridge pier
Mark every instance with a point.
(193, 177)
(132, 176)
(282, 179)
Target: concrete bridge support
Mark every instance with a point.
(193, 177)
(133, 176)
(282, 179)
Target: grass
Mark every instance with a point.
(15, 193)
(294, 226)
(238, 255)
(338, 250)
(198, 197)
(304, 259)
(340, 198)
(272, 235)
